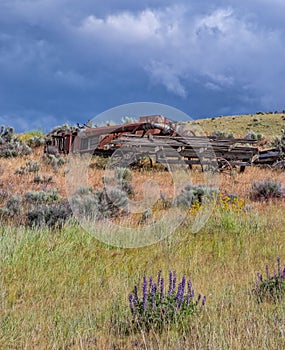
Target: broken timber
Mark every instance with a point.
(157, 138)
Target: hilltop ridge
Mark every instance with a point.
(268, 124)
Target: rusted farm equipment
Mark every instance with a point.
(159, 139)
(271, 158)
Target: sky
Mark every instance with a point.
(68, 60)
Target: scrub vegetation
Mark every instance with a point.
(222, 287)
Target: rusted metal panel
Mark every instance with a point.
(151, 134)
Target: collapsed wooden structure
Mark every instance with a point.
(163, 141)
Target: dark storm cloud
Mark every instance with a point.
(65, 60)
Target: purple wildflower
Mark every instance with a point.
(153, 292)
(178, 292)
(135, 296)
(204, 300)
(131, 303)
(189, 285)
(183, 285)
(198, 299)
(170, 283)
(144, 292)
(161, 289)
(179, 295)
(267, 272)
(150, 283)
(174, 281)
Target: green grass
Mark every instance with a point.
(65, 290)
(30, 134)
(269, 124)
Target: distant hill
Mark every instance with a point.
(268, 124)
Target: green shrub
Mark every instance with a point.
(272, 287)
(279, 141)
(55, 161)
(14, 205)
(33, 166)
(222, 134)
(4, 194)
(252, 135)
(6, 134)
(43, 179)
(51, 216)
(192, 194)
(100, 204)
(35, 141)
(43, 197)
(266, 189)
(21, 171)
(84, 202)
(121, 180)
(14, 149)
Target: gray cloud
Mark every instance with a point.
(64, 60)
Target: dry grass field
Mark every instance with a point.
(64, 289)
(268, 124)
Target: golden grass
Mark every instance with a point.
(63, 289)
(229, 181)
(268, 124)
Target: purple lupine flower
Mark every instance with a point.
(174, 281)
(178, 292)
(161, 289)
(170, 283)
(198, 299)
(150, 283)
(189, 287)
(204, 300)
(183, 285)
(153, 292)
(179, 295)
(144, 292)
(259, 276)
(131, 298)
(267, 272)
(135, 296)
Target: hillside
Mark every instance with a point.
(268, 124)
(65, 285)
